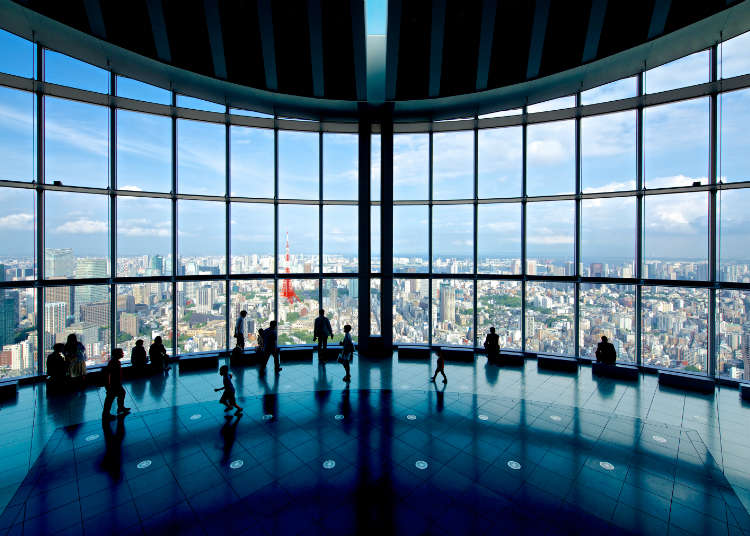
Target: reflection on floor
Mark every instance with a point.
(507, 448)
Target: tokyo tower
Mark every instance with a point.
(287, 291)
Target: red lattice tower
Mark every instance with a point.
(287, 291)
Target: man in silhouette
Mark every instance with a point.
(492, 345)
(605, 352)
(240, 329)
(270, 347)
(114, 387)
(321, 332)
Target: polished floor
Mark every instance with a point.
(521, 449)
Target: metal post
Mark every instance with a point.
(364, 246)
(113, 321)
(429, 239)
(228, 226)
(386, 229)
(712, 218)
(524, 119)
(175, 263)
(476, 223)
(577, 238)
(320, 219)
(276, 217)
(40, 179)
(639, 220)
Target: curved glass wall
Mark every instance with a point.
(124, 224)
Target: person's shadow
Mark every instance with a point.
(440, 397)
(112, 461)
(229, 434)
(322, 386)
(157, 385)
(491, 373)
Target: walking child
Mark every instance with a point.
(227, 397)
(348, 352)
(440, 368)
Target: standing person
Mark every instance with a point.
(228, 396)
(270, 347)
(321, 332)
(114, 387)
(440, 368)
(158, 355)
(138, 357)
(240, 329)
(75, 355)
(492, 344)
(348, 353)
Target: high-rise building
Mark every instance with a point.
(59, 263)
(91, 268)
(55, 317)
(447, 310)
(157, 265)
(129, 324)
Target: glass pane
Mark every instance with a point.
(144, 311)
(375, 213)
(144, 236)
(499, 306)
(375, 167)
(76, 235)
(734, 57)
(18, 233)
(675, 143)
(734, 235)
(499, 237)
(453, 165)
(676, 236)
(341, 302)
(199, 104)
(18, 336)
(550, 322)
(500, 162)
(502, 113)
(76, 143)
(620, 89)
(201, 239)
(67, 71)
(453, 239)
(144, 152)
(550, 159)
(608, 310)
(249, 113)
(735, 113)
(686, 71)
(411, 304)
(298, 165)
(675, 328)
(411, 166)
(453, 312)
(17, 131)
(375, 286)
(134, 89)
(252, 238)
(608, 237)
(201, 320)
(298, 238)
(340, 166)
(554, 104)
(251, 161)
(201, 158)
(18, 55)
(608, 152)
(733, 309)
(298, 307)
(340, 238)
(255, 297)
(410, 240)
(550, 232)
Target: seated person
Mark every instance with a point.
(492, 344)
(57, 367)
(158, 355)
(138, 357)
(605, 352)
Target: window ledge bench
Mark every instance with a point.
(557, 362)
(452, 353)
(296, 353)
(414, 353)
(690, 382)
(616, 371)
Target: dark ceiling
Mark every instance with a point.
(434, 48)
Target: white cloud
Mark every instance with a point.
(131, 188)
(550, 239)
(17, 222)
(83, 226)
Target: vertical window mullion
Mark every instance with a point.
(175, 261)
(639, 220)
(476, 224)
(228, 227)
(40, 216)
(712, 217)
(524, 125)
(577, 231)
(113, 320)
(429, 237)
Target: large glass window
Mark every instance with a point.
(18, 335)
(340, 166)
(500, 162)
(687, 71)
(675, 144)
(411, 166)
(201, 316)
(453, 312)
(608, 152)
(734, 163)
(143, 311)
(144, 152)
(76, 145)
(17, 233)
(252, 238)
(18, 56)
(340, 238)
(550, 158)
(550, 232)
(298, 238)
(411, 311)
(375, 309)
(734, 59)
(550, 317)
(453, 239)
(375, 167)
(341, 303)
(252, 157)
(620, 89)
(676, 236)
(201, 237)
(201, 158)
(134, 89)
(184, 101)
(734, 235)
(554, 104)
(410, 239)
(453, 165)
(733, 309)
(674, 326)
(299, 168)
(17, 131)
(607, 310)
(375, 213)
(298, 307)
(257, 298)
(499, 306)
(608, 237)
(67, 71)
(144, 236)
(499, 238)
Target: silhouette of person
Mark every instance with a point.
(158, 355)
(492, 344)
(138, 357)
(605, 352)
(440, 368)
(75, 355)
(57, 368)
(114, 387)
(270, 347)
(240, 330)
(228, 397)
(348, 352)
(321, 331)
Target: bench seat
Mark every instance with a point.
(617, 371)
(690, 382)
(452, 353)
(745, 391)
(511, 358)
(557, 362)
(331, 352)
(296, 353)
(415, 353)
(8, 389)
(199, 362)
(249, 357)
